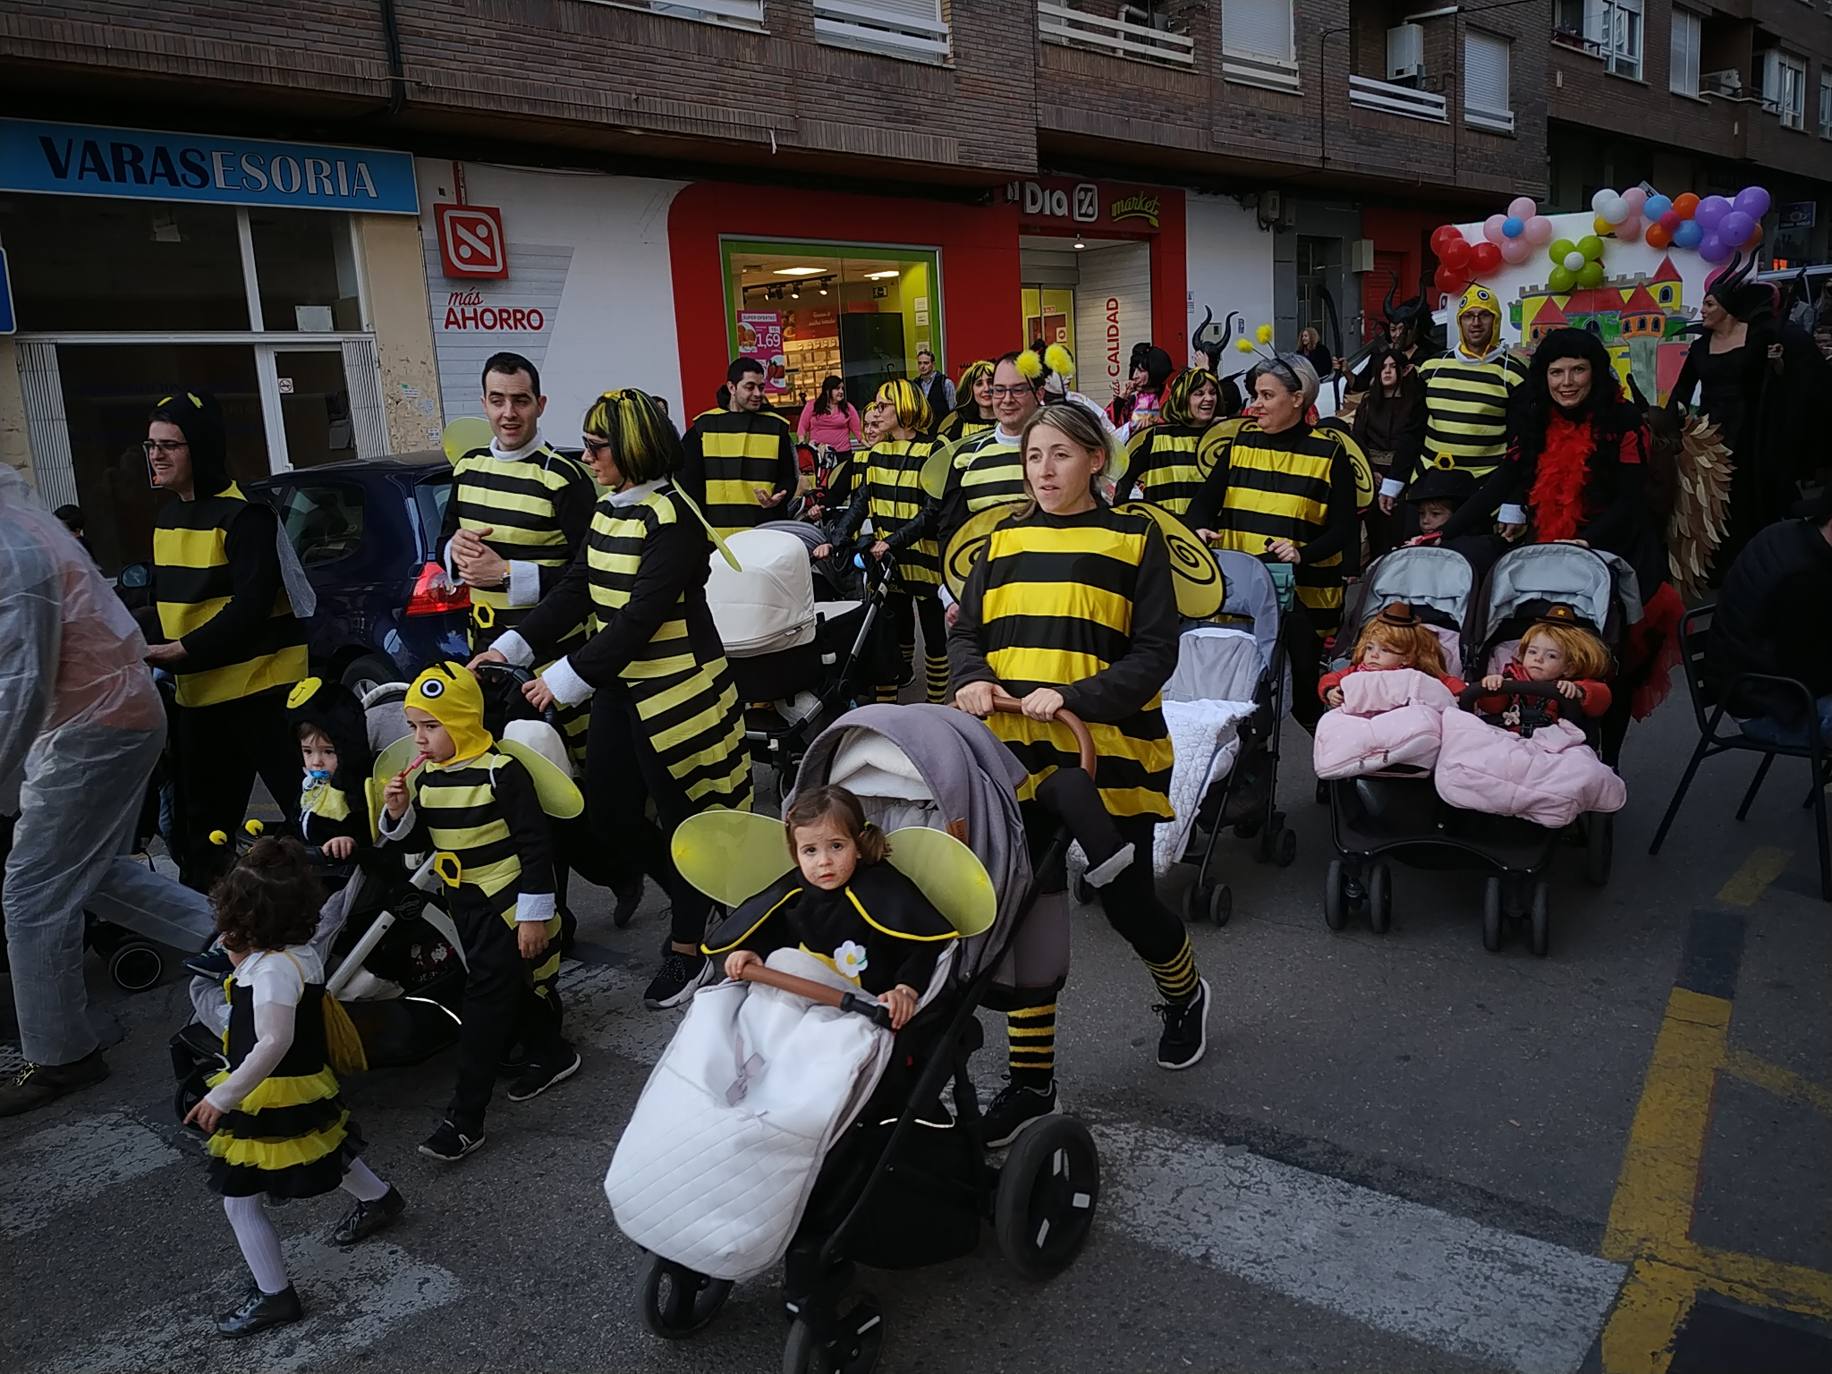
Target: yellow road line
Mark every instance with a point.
(1749, 882)
(1784, 1083)
(1653, 1304)
(1759, 1282)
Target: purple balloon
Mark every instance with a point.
(1711, 211)
(1713, 249)
(1752, 201)
(1688, 234)
(1735, 227)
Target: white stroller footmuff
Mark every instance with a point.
(718, 1162)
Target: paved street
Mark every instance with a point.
(1401, 1153)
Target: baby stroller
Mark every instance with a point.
(797, 662)
(1223, 707)
(906, 1184)
(1399, 815)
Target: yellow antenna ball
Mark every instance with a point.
(1060, 360)
(1244, 344)
(1030, 366)
(1264, 333)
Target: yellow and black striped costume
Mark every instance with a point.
(1466, 411)
(891, 493)
(536, 507)
(728, 456)
(1162, 461)
(987, 471)
(1299, 485)
(291, 1136)
(195, 579)
(955, 427)
(1052, 603)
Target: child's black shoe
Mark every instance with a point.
(450, 1144)
(212, 963)
(259, 1310)
(366, 1218)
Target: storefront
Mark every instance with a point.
(143, 261)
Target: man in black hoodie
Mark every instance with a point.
(1771, 618)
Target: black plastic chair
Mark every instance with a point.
(1714, 738)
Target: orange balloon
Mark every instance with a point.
(1657, 237)
(1754, 238)
(1685, 204)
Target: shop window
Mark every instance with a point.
(324, 521)
(314, 406)
(306, 270)
(810, 311)
(107, 391)
(84, 264)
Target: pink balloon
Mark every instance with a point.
(1523, 207)
(1637, 199)
(1629, 231)
(1516, 251)
(1491, 228)
(1539, 228)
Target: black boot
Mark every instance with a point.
(259, 1311)
(37, 1084)
(366, 1218)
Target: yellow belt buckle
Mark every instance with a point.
(1444, 462)
(450, 870)
(482, 616)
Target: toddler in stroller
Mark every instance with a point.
(862, 1165)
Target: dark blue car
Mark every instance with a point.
(367, 532)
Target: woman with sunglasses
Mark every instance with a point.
(1285, 492)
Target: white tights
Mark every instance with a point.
(261, 1243)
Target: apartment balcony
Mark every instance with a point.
(1366, 93)
(1138, 33)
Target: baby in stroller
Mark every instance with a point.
(1555, 649)
(1395, 638)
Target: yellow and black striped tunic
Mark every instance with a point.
(1299, 485)
(894, 498)
(1162, 461)
(1084, 604)
(730, 455)
(955, 427)
(986, 471)
(677, 676)
(194, 582)
(1466, 411)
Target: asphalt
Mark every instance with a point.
(1369, 1104)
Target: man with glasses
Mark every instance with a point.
(988, 469)
(933, 386)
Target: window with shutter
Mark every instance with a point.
(1257, 44)
(911, 29)
(1486, 102)
(1682, 71)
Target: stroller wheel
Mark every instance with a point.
(1221, 905)
(1335, 896)
(1491, 914)
(135, 965)
(1539, 915)
(1599, 847)
(851, 1347)
(674, 1302)
(1380, 899)
(1044, 1206)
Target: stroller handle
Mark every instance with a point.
(1084, 740)
(826, 996)
(521, 677)
(1513, 687)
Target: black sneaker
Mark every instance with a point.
(37, 1084)
(213, 964)
(1015, 1108)
(450, 1144)
(539, 1077)
(259, 1310)
(680, 977)
(628, 892)
(366, 1218)
(1186, 1029)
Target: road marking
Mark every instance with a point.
(1783, 1083)
(353, 1298)
(1399, 1266)
(71, 1163)
(1749, 882)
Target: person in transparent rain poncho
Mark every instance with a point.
(81, 726)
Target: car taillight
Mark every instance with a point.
(434, 594)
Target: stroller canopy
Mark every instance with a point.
(1591, 582)
(1252, 596)
(768, 606)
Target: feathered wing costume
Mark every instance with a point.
(1689, 471)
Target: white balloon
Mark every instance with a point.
(1600, 199)
(1574, 261)
(1615, 210)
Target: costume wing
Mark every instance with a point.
(1196, 573)
(558, 794)
(465, 435)
(731, 856)
(935, 469)
(1364, 470)
(1701, 503)
(970, 542)
(955, 882)
(1215, 438)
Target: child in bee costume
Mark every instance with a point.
(334, 744)
(481, 805)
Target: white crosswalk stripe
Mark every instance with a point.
(70, 1163)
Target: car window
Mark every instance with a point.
(432, 496)
(324, 520)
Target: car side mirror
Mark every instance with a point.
(136, 576)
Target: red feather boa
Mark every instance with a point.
(1557, 499)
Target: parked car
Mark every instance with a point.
(367, 532)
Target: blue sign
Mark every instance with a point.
(6, 297)
(83, 160)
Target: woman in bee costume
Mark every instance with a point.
(890, 491)
(667, 727)
(1162, 458)
(1072, 604)
(1286, 493)
(973, 414)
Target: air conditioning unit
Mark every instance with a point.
(1728, 82)
(1405, 52)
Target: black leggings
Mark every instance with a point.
(1304, 652)
(502, 1003)
(217, 751)
(1130, 901)
(623, 776)
(908, 609)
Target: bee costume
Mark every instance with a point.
(728, 455)
(890, 491)
(667, 727)
(483, 813)
(964, 422)
(1162, 458)
(1085, 604)
(220, 590)
(334, 804)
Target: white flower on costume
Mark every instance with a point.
(850, 960)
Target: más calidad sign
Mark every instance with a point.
(84, 160)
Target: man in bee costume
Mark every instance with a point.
(988, 469)
(739, 464)
(475, 805)
(1467, 391)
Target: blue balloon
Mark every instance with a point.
(1657, 206)
(1513, 226)
(1689, 234)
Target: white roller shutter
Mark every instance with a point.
(363, 376)
(1257, 28)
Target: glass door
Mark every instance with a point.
(313, 404)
